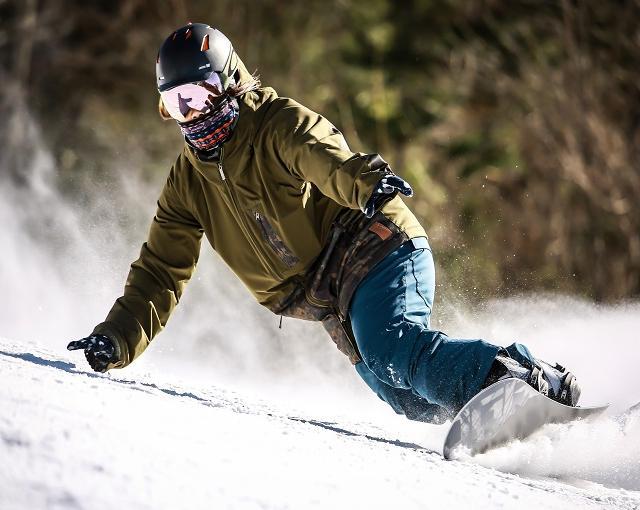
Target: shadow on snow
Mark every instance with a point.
(71, 369)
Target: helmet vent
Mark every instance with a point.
(188, 33)
(205, 43)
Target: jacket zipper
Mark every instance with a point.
(246, 230)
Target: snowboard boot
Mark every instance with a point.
(554, 382)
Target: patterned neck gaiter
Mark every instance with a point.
(211, 130)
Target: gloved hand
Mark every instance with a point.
(99, 350)
(385, 187)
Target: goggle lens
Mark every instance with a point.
(179, 100)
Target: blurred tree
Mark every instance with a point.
(517, 121)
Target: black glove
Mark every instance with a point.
(99, 350)
(385, 187)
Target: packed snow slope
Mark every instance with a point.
(70, 438)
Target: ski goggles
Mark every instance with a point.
(197, 96)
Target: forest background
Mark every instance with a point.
(517, 122)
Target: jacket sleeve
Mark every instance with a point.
(315, 151)
(157, 279)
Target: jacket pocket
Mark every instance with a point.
(273, 239)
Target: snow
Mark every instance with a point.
(226, 410)
(70, 438)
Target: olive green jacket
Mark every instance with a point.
(266, 207)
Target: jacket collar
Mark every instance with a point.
(253, 108)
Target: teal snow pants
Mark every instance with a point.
(419, 372)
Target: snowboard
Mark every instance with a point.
(509, 409)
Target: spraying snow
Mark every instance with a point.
(605, 451)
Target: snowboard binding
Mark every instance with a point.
(553, 381)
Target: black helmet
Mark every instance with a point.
(192, 53)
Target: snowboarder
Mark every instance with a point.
(314, 231)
